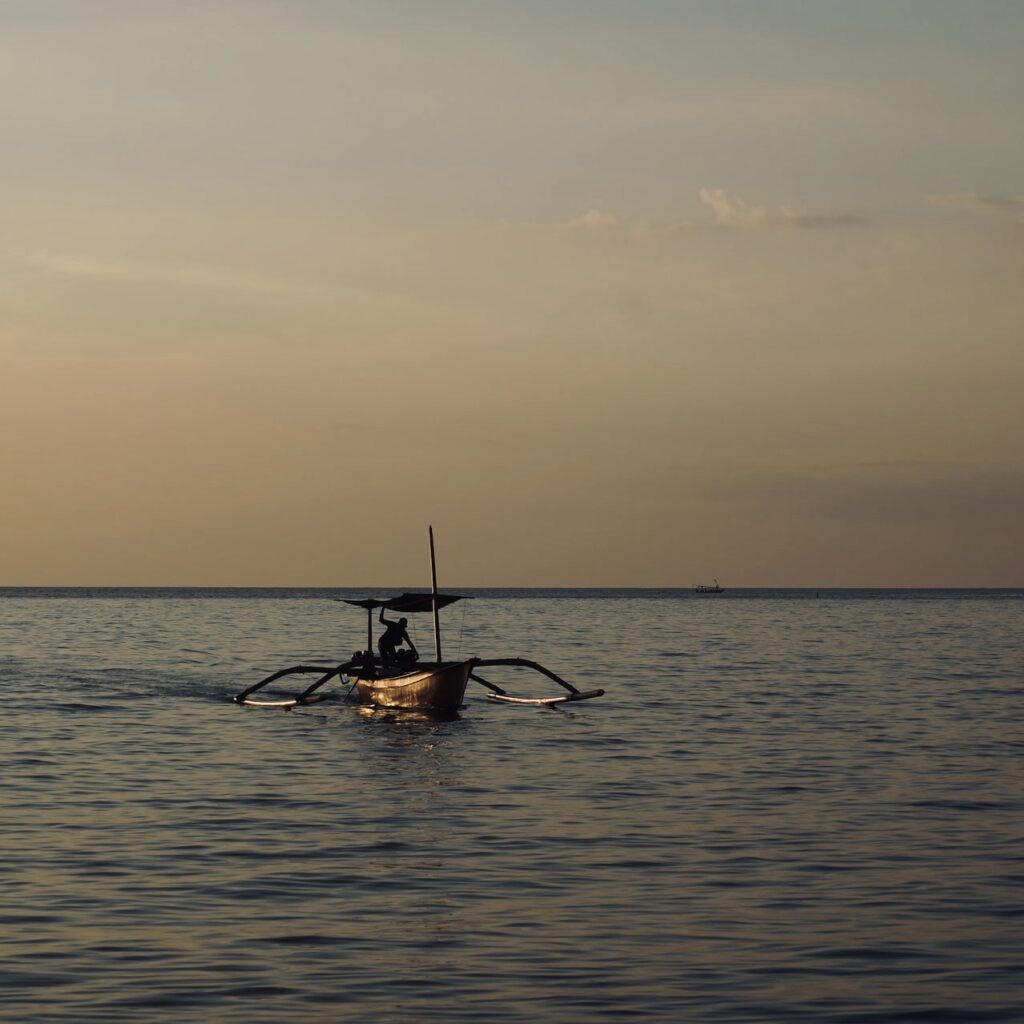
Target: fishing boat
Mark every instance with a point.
(396, 678)
(708, 588)
(402, 681)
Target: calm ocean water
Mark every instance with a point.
(787, 807)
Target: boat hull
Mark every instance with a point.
(429, 685)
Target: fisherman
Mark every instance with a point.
(391, 638)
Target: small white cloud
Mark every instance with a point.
(972, 202)
(595, 219)
(731, 211)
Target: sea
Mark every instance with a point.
(789, 805)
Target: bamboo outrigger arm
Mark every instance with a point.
(497, 693)
(308, 696)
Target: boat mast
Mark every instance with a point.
(433, 597)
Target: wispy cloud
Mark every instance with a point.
(141, 272)
(898, 490)
(973, 202)
(602, 224)
(732, 211)
(907, 490)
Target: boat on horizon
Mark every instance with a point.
(396, 678)
(709, 588)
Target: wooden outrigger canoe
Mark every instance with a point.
(439, 687)
(406, 682)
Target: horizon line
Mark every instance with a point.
(483, 586)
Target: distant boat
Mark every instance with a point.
(400, 679)
(709, 588)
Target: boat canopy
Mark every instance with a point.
(406, 603)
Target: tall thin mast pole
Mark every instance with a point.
(433, 597)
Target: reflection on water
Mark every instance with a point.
(409, 721)
(782, 809)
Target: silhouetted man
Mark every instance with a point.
(392, 637)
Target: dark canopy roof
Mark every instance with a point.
(406, 603)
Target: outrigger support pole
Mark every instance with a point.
(306, 697)
(493, 687)
(497, 693)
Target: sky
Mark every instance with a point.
(613, 294)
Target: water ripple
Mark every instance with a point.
(784, 809)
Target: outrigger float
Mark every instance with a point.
(401, 681)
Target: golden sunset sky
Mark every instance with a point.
(613, 294)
